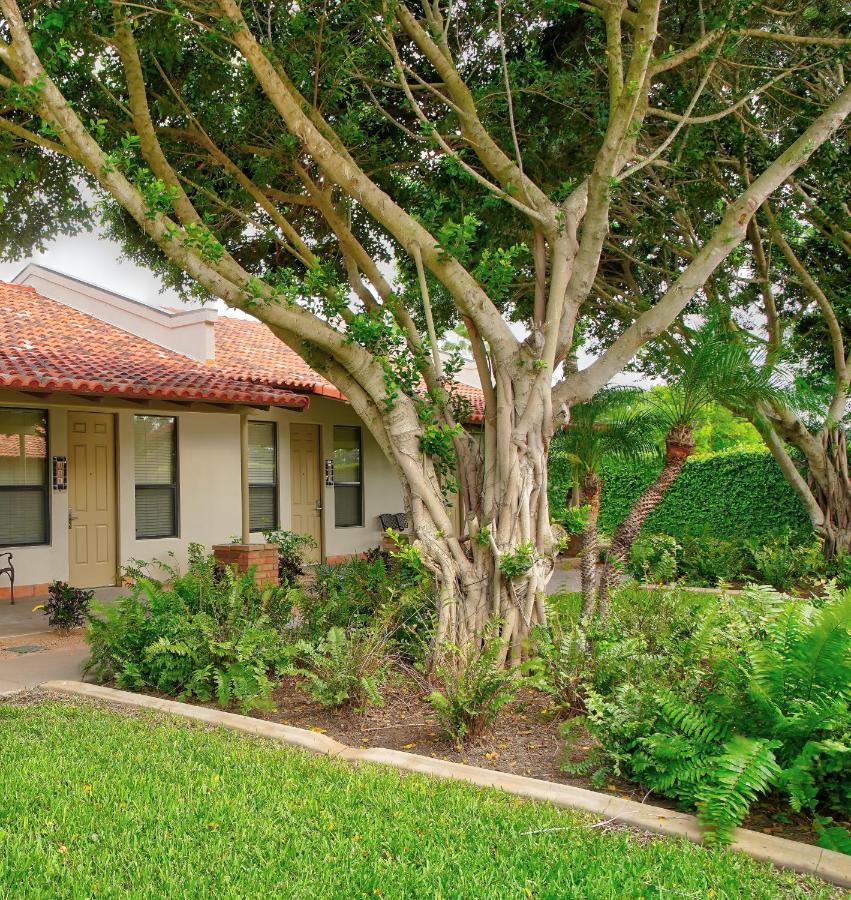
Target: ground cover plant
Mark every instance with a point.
(716, 701)
(94, 802)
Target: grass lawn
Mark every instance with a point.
(100, 803)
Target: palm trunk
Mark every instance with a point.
(679, 445)
(591, 489)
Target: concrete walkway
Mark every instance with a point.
(22, 618)
(31, 669)
(566, 577)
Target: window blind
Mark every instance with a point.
(348, 476)
(24, 471)
(155, 439)
(262, 476)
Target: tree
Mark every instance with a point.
(714, 367)
(281, 158)
(610, 426)
(786, 288)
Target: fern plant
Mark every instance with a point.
(205, 635)
(473, 686)
(345, 668)
(754, 698)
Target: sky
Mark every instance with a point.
(93, 258)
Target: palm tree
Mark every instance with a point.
(611, 425)
(715, 368)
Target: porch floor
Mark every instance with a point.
(20, 625)
(20, 619)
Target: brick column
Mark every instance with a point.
(243, 556)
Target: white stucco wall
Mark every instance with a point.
(209, 483)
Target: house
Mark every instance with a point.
(128, 432)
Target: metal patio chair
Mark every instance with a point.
(6, 568)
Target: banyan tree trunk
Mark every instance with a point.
(679, 445)
(832, 491)
(499, 566)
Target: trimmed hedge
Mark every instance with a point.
(738, 494)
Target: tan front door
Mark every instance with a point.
(91, 499)
(306, 485)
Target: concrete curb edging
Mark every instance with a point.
(785, 854)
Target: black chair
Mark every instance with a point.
(396, 521)
(8, 569)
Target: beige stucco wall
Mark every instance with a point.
(209, 483)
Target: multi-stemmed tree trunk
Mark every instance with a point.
(679, 446)
(238, 163)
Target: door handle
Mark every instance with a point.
(318, 506)
(71, 516)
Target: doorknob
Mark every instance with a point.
(71, 516)
(318, 506)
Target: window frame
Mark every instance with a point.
(45, 488)
(276, 485)
(175, 485)
(360, 484)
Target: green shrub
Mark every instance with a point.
(66, 607)
(206, 634)
(345, 668)
(473, 686)
(574, 519)
(842, 570)
(734, 495)
(291, 553)
(654, 558)
(719, 703)
(707, 561)
(394, 591)
(784, 561)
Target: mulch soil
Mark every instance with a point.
(524, 741)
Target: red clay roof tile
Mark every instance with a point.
(48, 346)
(247, 348)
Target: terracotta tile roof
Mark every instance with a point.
(47, 346)
(248, 349)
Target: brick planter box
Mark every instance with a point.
(243, 556)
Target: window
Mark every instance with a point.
(156, 476)
(348, 477)
(24, 472)
(262, 476)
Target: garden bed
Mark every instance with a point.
(525, 741)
